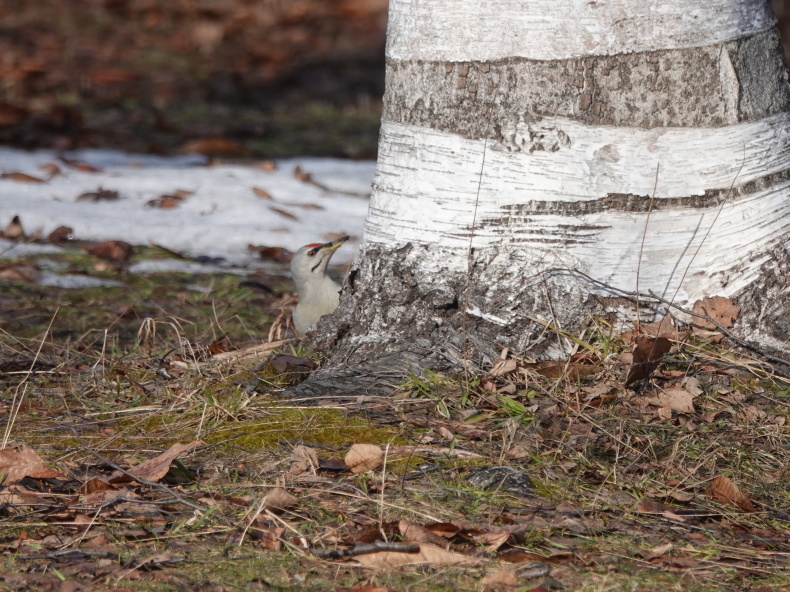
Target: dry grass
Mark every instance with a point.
(620, 488)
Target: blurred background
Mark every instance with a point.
(269, 78)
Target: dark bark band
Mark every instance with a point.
(711, 86)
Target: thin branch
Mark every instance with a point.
(465, 317)
(712, 224)
(642, 246)
(17, 402)
(364, 549)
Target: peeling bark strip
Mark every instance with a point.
(629, 202)
(711, 86)
(463, 30)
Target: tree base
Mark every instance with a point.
(394, 319)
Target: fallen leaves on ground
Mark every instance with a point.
(364, 457)
(61, 234)
(155, 468)
(427, 555)
(679, 400)
(19, 272)
(275, 254)
(114, 250)
(16, 464)
(262, 193)
(647, 357)
(536, 480)
(284, 213)
(14, 230)
(724, 490)
(722, 311)
(22, 177)
(101, 194)
(169, 200)
(80, 165)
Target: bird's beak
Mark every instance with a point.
(333, 245)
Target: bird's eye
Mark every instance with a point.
(311, 253)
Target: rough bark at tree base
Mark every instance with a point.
(394, 319)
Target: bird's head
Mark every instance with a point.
(309, 262)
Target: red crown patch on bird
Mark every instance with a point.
(313, 245)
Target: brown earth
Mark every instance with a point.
(151, 74)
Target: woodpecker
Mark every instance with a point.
(319, 295)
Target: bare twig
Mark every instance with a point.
(465, 353)
(642, 246)
(712, 224)
(364, 549)
(17, 401)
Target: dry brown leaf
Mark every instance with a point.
(647, 357)
(752, 414)
(169, 200)
(270, 538)
(679, 400)
(443, 529)
(649, 506)
(61, 234)
(303, 176)
(80, 165)
(106, 496)
(94, 485)
(15, 272)
(656, 551)
(666, 327)
(267, 165)
(279, 499)
(101, 194)
(304, 206)
(665, 413)
(303, 459)
(14, 229)
(262, 193)
(428, 554)
(502, 367)
(570, 370)
(283, 213)
(277, 254)
(725, 491)
(692, 385)
(500, 578)
(722, 310)
(364, 457)
(111, 250)
(414, 533)
(155, 468)
(445, 433)
(15, 465)
(51, 169)
(22, 177)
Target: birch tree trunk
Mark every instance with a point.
(541, 159)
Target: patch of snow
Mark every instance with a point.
(220, 218)
(76, 281)
(12, 250)
(181, 266)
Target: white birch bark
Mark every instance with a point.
(518, 156)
